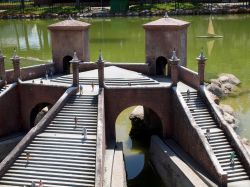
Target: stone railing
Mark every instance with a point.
(188, 77)
(100, 141)
(190, 137)
(30, 72)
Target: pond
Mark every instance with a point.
(122, 40)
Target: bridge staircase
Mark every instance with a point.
(60, 155)
(218, 140)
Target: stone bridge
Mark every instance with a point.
(69, 146)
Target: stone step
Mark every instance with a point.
(201, 113)
(207, 126)
(224, 150)
(61, 120)
(71, 125)
(225, 142)
(12, 172)
(88, 152)
(61, 146)
(237, 178)
(230, 167)
(80, 109)
(227, 160)
(56, 162)
(72, 141)
(61, 143)
(236, 163)
(235, 170)
(216, 147)
(47, 179)
(67, 132)
(54, 167)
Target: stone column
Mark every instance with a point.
(201, 67)
(174, 68)
(100, 65)
(75, 68)
(16, 66)
(2, 67)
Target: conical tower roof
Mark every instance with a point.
(69, 24)
(166, 22)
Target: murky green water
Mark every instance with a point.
(122, 40)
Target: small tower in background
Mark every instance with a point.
(66, 37)
(162, 36)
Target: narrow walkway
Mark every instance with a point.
(218, 140)
(61, 155)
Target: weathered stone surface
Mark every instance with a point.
(224, 85)
(138, 113)
(215, 89)
(228, 78)
(229, 115)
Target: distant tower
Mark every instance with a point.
(66, 37)
(162, 37)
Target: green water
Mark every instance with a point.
(122, 40)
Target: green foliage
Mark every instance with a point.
(164, 6)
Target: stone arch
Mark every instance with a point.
(158, 100)
(144, 127)
(36, 110)
(66, 64)
(161, 63)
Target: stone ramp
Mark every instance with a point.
(218, 140)
(60, 155)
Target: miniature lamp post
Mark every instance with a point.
(174, 60)
(100, 65)
(2, 67)
(75, 68)
(16, 66)
(201, 67)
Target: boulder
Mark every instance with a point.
(228, 78)
(215, 89)
(138, 113)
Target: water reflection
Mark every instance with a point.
(139, 171)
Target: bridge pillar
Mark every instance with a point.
(174, 68)
(16, 66)
(66, 37)
(100, 64)
(2, 67)
(75, 68)
(162, 36)
(201, 67)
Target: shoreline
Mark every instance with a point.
(143, 13)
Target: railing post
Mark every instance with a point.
(174, 68)
(100, 65)
(75, 68)
(16, 66)
(201, 67)
(2, 67)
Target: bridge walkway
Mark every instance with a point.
(218, 140)
(61, 155)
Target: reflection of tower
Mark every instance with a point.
(66, 37)
(210, 45)
(162, 37)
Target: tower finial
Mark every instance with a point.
(166, 15)
(174, 57)
(100, 59)
(202, 56)
(14, 54)
(75, 58)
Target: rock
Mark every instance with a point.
(215, 89)
(215, 98)
(229, 115)
(227, 109)
(229, 78)
(138, 113)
